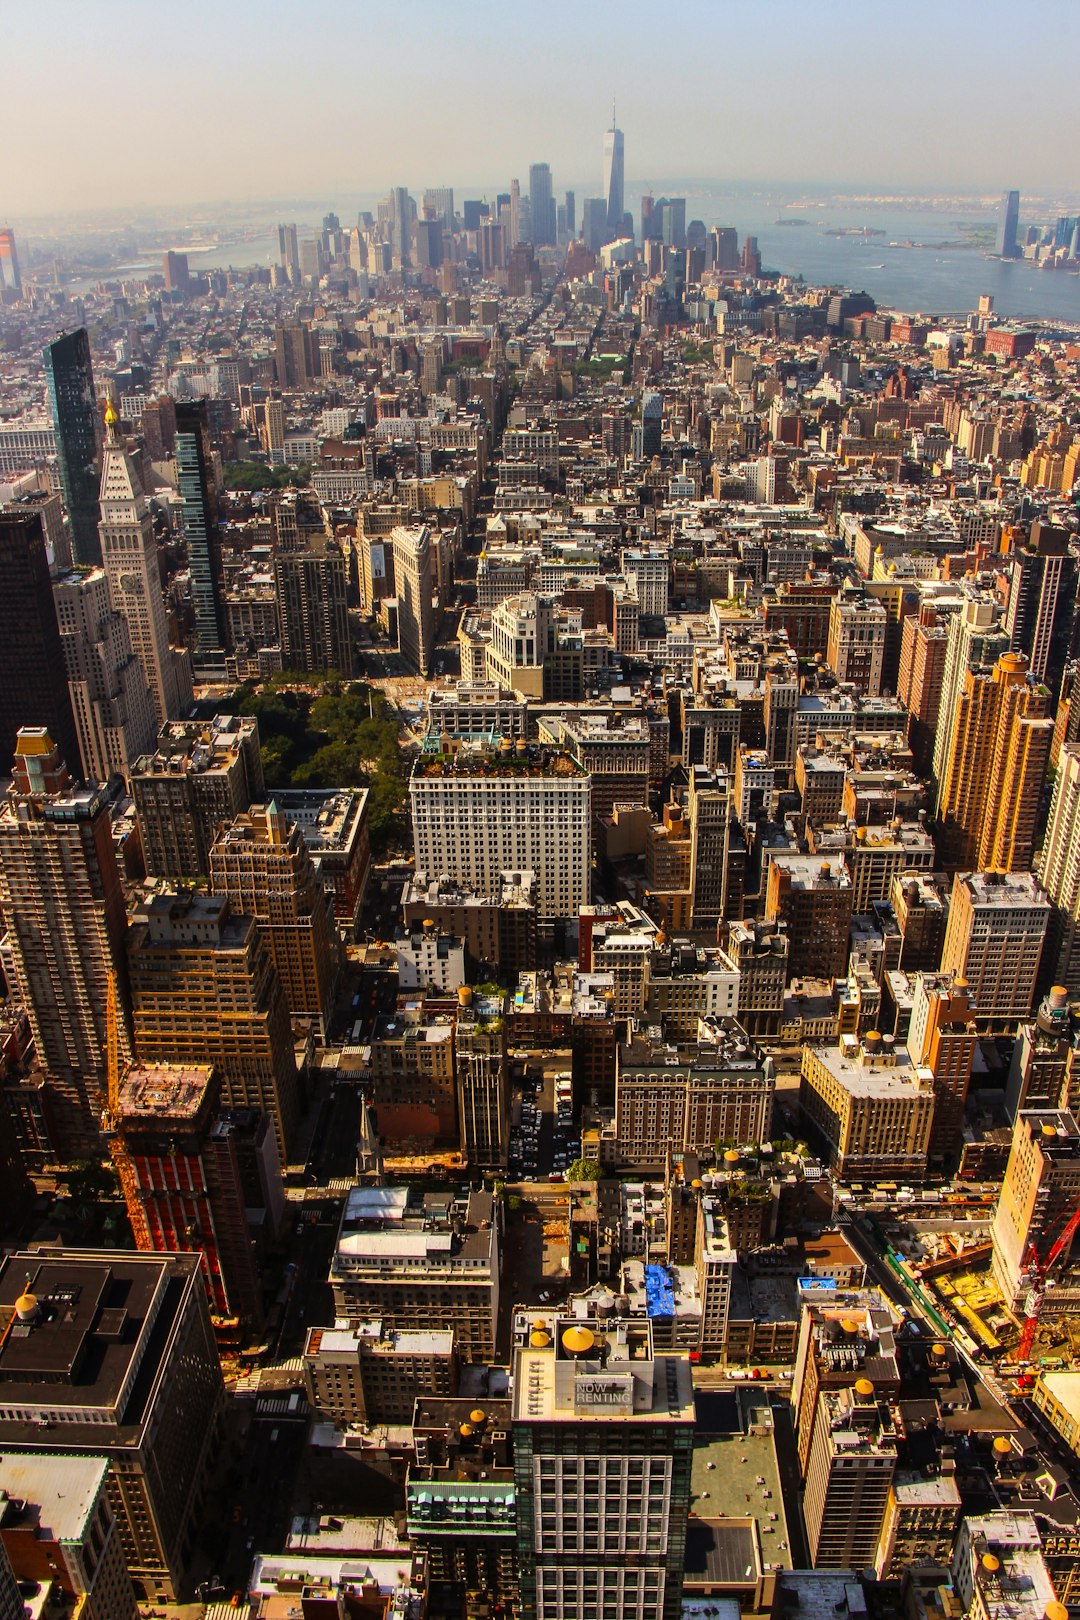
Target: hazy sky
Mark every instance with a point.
(117, 103)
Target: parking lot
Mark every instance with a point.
(544, 1141)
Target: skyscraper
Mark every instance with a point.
(129, 554)
(1061, 871)
(10, 277)
(262, 864)
(182, 1180)
(603, 1441)
(613, 179)
(204, 990)
(64, 908)
(524, 810)
(33, 690)
(201, 774)
(975, 638)
(994, 940)
(594, 223)
(996, 766)
(415, 591)
(110, 698)
(850, 1471)
(1040, 616)
(313, 605)
(542, 203)
(134, 1377)
(195, 485)
(289, 252)
(1008, 220)
(69, 376)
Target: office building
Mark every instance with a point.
(994, 940)
(368, 1374)
(200, 777)
(813, 899)
(63, 905)
(921, 908)
(686, 1096)
(414, 582)
(312, 595)
(59, 1530)
(849, 1476)
(758, 952)
(410, 1258)
(514, 809)
(10, 275)
(613, 181)
(1045, 1071)
(115, 1358)
(1040, 615)
(1040, 1192)
(69, 378)
(33, 687)
(129, 555)
(12, 1606)
(1008, 222)
(296, 360)
(1060, 871)
(110, 697)
(652, 424)
(942, 1037)
(594, 222)
(483, 1089)
(498, 930)
(1001, 1553)
(603, 1437)
(262, 864)
(542, 205)
(988, 808)
(871, 1109)
(459, 1502)
(181, 1177)
(174, 268)
(921, 1519)
(412, 1082)
(844, 1334)
(289, 253)
(858, 626)
(709, 811)
(195, 485)
(975, 639)
(204, 990)
(334, 825)
(615, 750)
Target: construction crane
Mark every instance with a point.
(1040, 1270)
(120, 1157)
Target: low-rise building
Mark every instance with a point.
(368, 1374)
(411, 1258)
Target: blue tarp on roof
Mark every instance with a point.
(659, 1294)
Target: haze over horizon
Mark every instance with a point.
(262, 102)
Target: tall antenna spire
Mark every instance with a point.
(613, 112)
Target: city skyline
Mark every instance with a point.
(529, 114)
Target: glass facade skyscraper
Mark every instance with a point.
(613, 181)
(200, 528)
(69, 376)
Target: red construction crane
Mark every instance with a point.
(1040, 1269)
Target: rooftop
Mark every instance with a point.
(86, 1350)
(164, 1090)
(64, 1491)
